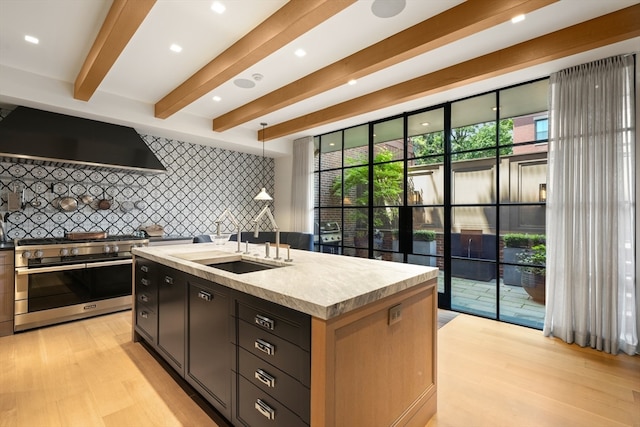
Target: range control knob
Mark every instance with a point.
(106, 249)
(64, 252)
(74, 251)
(26, 254)
(115, 249)
(39, 254)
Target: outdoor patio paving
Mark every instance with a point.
(478, 297)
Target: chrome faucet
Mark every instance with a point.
(256, 232)
(235, 222)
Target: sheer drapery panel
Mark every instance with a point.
(591, 288)
(302, 185)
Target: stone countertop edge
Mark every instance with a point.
(321, 285)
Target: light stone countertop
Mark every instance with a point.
(321, 285)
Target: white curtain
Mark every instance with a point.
(302, 185)
(591, 287)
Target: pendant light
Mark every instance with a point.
(263, 195)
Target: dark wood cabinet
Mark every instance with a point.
(146, 303)
(249, 358)
(209, 349)
(273, 371)
(172, 289)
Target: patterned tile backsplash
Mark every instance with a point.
(200, 183)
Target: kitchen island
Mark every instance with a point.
(320, 340)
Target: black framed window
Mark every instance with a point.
(455, 186)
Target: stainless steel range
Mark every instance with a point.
(62, 279)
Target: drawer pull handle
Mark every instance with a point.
(265, 409)
(144, 269)
(168, 280)
(205, 295)
(265, 322)
(145, 282)
(144, 314)
(265, 378)
(144, 298)
(265, 347)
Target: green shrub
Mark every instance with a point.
(520, 240)
(424, 236)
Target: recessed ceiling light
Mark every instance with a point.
(31, 39)
(217, 98)
(425, 123)
(176, 48)
(218, 7)
(517, 18)
(300, 53)
(352, 82)
(331, 144)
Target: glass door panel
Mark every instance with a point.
(331, 151)
(356, 146)
(388, 140)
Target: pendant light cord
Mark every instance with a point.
(263, 162)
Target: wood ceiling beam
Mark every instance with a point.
(454, 24)
(604, 30)
(121, 23)
(288, 23)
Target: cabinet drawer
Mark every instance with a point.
(145, 284)
(258, 409)
(147, 296)
(147, 321)
(275, 382)
(281, 321)
(144, 266)
(278, 352)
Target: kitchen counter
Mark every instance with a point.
(330, 341)
(7, 246)
(321, 285)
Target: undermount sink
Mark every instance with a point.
(241, 267)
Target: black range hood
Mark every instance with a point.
(41, 137)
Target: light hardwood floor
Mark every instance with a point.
(89, 373)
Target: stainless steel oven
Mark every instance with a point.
(58, 280)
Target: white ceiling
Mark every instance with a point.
(42, 75)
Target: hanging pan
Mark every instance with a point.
(68, 203)
(104, 203)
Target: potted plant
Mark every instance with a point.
(534, 272)
(514, 245)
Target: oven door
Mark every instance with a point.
(44, 288)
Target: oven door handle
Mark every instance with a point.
(109, 263)
(21, 271)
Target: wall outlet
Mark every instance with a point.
(395, 314)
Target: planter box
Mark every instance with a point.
(425, 248)
(473, 270)
(511, 275)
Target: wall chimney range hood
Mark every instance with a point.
(40, 137)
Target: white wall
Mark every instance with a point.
(282, 192)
